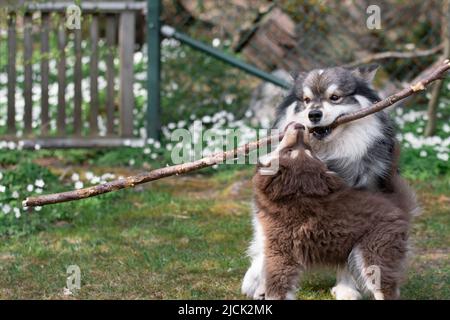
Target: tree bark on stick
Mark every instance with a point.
(132, 181)
(394, 54)
(436, 75)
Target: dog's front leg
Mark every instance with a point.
(281, 276)
(253, 285)
(345, 288)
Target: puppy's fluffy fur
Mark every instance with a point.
(311, 217)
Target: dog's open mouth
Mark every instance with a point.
(321, 132)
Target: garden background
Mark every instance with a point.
(185, 237)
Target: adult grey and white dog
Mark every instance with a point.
(361, 152)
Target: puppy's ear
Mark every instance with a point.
(334, 182)
(262, 181)
(313, 184)
(283, 185)
(366, 72)
(319, 183)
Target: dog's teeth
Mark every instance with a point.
(321, 132)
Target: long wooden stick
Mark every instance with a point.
(144, 177)
(157, 174)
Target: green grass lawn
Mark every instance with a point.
(185, 238)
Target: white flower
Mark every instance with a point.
(153, 156)
(248, 113)
(39, 183)
(75, 177)
(157, 144)
(15, 195)
(410, 46)
(423, 153)
(37, 208)
(37, 147)
(30, 188)
(67, 292)
(229, 99)
(216, 42)
(150, 141)
(442, 156)
(147, 151)
(108, 176)
(171, 126)
(11, 145)
(16, 212)
(6, 209)
(79, 185)
(95, 180)
(446, 129)
(89, 175)
(206, 119)
(131, 162)
(2, 189)
(38, 190)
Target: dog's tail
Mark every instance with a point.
(404, 196)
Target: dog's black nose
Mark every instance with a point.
(315, 116)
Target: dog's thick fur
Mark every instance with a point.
(311, 217)
(363, 152)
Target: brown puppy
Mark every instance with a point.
(312, 218)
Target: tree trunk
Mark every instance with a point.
(432, 108)
(430, 129)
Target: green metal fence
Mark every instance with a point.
(153, 40)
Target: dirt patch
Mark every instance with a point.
(4, 257)
(196, 187)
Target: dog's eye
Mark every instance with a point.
(335, 97)
(306, 100)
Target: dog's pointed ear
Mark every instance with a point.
(294, 74)
(366, 72)
(298, 75)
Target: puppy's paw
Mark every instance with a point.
(343, 292)
(260, 292)
(287, 296)
(252, 281)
